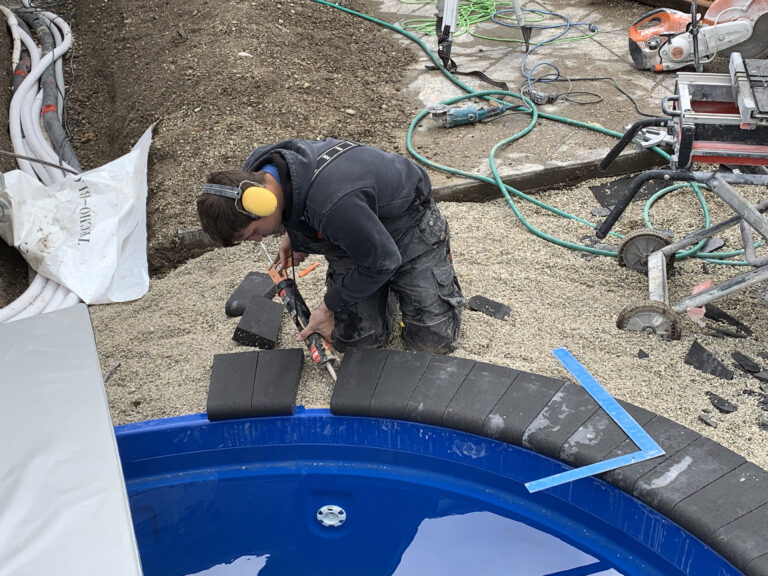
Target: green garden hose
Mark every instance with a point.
(528, 107)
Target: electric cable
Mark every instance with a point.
(33, 159)
(486, 10)
(627, 95)
(527, 106)
(565, 27)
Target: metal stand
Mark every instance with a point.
(712, 118)
(445, 26)
(748, 215)
(656, 315)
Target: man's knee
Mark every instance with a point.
(365, 325)
(439, 336)
(371, 340)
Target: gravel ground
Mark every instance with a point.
(208, 77)
(559, 298)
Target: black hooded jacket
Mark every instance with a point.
(360, 205)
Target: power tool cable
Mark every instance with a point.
(507, 191)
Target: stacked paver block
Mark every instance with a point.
(256, 383)
(255, 284)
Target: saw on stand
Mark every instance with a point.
(666, 39)
(711, 119)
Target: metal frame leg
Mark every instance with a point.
(747, 215)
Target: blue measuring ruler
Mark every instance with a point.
(647, 446)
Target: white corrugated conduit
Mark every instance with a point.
(28, 116)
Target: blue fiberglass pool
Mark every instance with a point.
(317, 494)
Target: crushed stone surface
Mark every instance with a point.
(165, 342)
(217, 79)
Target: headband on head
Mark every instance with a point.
(256, 201)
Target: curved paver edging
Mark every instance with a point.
(710, 491)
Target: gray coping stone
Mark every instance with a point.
(231, 386)
(257, 383)
(716, 505)
(254, 284)
(398, 379)
(745, 540)
(260, 323)
(565, 413)
(757, 566)
(688, 470)
(704, 487)
(356, 381)
(599, 436)
(519, 406)
(277, 382)
(669, 435)
(480, 391)
(440, 381)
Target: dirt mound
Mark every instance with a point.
(218, 79)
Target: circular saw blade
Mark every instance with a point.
(757, 45)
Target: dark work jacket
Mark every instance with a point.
(361, 205)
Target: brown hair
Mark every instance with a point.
(219, 216)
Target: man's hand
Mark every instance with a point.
(284, 252)
(321, 321)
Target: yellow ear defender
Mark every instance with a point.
(256, 201)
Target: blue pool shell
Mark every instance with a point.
(188, 452)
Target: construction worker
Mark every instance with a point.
(370, 213)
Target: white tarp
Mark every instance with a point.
(63, 503)
(88, 232)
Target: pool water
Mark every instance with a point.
(393, 525)
(316, 494)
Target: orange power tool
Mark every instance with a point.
(666, 39)
(319, 348)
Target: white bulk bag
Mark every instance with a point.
(88, 231)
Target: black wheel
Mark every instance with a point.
(637, 247)
(650, 317)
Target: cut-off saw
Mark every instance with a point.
(667, 39)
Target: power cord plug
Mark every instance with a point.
(540, 98)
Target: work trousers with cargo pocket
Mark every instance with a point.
(425, 285)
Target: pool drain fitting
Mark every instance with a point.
(332, 516)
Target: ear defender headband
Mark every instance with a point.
(255, 201)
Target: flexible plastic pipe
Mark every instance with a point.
(39, 303)
(50, 107)
(13, 26)
(58, 297)
(24, 300)
(30, 110)
(42, 295)
(59, 65)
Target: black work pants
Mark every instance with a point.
(425, 285)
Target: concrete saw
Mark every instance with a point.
(666, 39)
